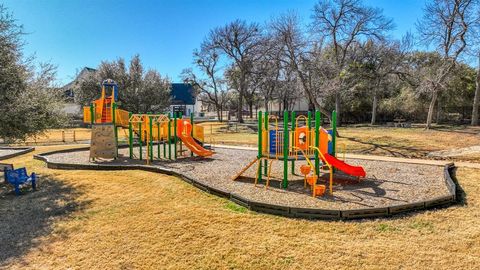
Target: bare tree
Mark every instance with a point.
(240, 42)
(211, 87)
(266, 76)
(476, 99)
(342, 23)
(296, 56)
(445, 25)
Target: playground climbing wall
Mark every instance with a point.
(103, 143)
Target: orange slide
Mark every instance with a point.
(184, 129)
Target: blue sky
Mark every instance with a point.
(77, 33)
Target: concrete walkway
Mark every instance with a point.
(382, 158)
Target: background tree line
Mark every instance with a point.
(345, 59)
(139, 91)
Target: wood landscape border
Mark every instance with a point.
(274, 209)
(22, 151)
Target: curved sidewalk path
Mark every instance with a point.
(381, 158)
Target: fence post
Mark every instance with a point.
(63, 135)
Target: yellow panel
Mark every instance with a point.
(198, 133)
(87, 116)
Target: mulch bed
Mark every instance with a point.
(387, 183)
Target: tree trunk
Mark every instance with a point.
(476, 100)
(266, 105)
(439, 111)
(431, 108)
(374, 109)
(250, 108)
(240, 98)
(337, 108)
(219, 112)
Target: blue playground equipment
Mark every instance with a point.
(19, 177)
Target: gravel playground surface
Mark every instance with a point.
(6, 152)
(387, 183)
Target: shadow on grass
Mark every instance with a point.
(461, 194)
(26, 218)
(395, 151)
(457, 129)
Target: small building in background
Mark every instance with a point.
(184, 99)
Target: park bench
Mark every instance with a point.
(400, 122)
(19, 177)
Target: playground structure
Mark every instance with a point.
(299, 142)
(167, 130)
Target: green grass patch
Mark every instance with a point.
(235, 207)
(383, 227)
(422, 225)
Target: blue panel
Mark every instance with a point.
(273, 142)
(330, 143)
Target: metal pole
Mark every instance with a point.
(259, 155)
(164, 142)
(130, 135)
(158, 140)
(140, 139)
(285, 149)
(317, 141)
(180, 116)
(150, 137)
(175, 134)
(92, 114)
(334, 132)
(169, 138)
(265, 162)
(191, 132)
(114, 109)
(293, 130)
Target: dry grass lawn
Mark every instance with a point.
(136, 219)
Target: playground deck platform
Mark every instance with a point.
(388, 184)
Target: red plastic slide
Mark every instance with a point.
(183, 132)
(344, 167)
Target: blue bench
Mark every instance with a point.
(19, 177)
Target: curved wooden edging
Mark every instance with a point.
(292, 212)
(24, 150)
